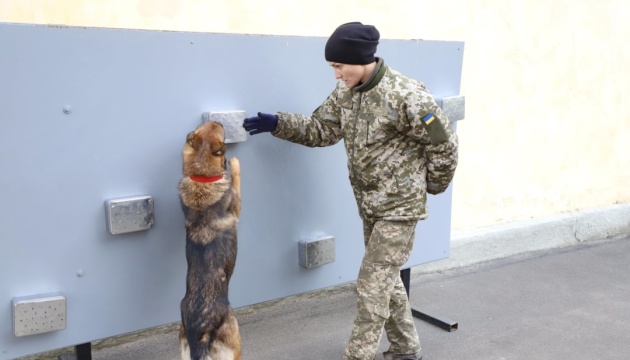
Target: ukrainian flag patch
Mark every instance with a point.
(429, 118)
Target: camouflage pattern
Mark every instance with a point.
(381, 296)
(394, 158)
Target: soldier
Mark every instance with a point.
(400, 146)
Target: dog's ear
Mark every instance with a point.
(194, 140)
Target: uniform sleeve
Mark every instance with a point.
(322, 128)
(430, 126)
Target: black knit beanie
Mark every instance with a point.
(352, 43)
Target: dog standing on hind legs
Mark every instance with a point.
(210, 195)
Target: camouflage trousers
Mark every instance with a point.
(381, 296)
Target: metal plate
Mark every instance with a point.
(454, 107)
(39, 314)
(129, 214)
(316, 252)
(232, 121)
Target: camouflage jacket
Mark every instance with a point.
(398, 140)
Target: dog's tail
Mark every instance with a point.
(201, 327)
(199, 344)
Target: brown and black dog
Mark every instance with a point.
(211, 201)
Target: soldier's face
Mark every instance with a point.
(351, 75)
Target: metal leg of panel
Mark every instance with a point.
(442, 323)
(83, 351)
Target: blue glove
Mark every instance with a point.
(261, 123)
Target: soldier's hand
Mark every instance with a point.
(261, 123)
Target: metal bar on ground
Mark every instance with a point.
(450, 326)
(444, 324)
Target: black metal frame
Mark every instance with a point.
(83, 351)
(448, 325)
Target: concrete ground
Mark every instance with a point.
(563, 303)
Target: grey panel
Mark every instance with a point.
(88, 115)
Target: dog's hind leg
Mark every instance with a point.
(227, 345)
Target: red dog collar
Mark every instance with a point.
(206, 179)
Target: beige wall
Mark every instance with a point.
(547, 126)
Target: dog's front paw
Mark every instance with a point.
(235, 166)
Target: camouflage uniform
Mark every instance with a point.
(400, 146)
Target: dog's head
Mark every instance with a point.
(204, 151)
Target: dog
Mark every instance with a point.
(210, 196)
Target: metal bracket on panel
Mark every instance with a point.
(131, 214)
(232, 121)
(39, 314)
(454, 107)
(316, 252)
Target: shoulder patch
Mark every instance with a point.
(428, 119)
(436, 131)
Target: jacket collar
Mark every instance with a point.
(375, 78)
